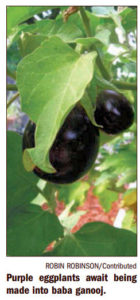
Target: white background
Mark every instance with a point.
(36, 265)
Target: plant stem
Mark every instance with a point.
(12, 87)
(101, 66)
(124, 85)
(99, 62)
(12, 99)
(86, 22)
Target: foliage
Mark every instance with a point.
(97, 238)
(56, 65)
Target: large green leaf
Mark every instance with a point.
(40, 75)
(47, 95)
(68, 32)
(18, 14)
(21, 185)
(97, 239)
(31, 230)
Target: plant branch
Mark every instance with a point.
(101, 66)
(12, 99)
(12, 87)
(70, 11)
(124, 85)
(99, 61)
(86, 21)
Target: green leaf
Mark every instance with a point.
(105, 84)
(27, 162)
(49, 193)
(69, 221)
(129, 19)
(86, 102)
(104, 190)
(104, 177)
(74, 192)
(110, 12)
(123, 13)
(128, 220)
(92, 91)
(105, 138)
(129, 176)
(29, 42)
(21, 185)
(18, 14)
(31, 230)
(72, 220)
(103, 11)
(77, 21)
(94, 22)
(106, 198)
(53, 58)
(97, 239)
(47, 95)
(133, 55)
(102, 36)
(129, 197)
(113, 161)
(121, 162)
(68, 32)
(43, 27)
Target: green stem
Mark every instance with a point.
(86, 21)
(101, 66)
(12, 87)
(12, 99)
(119, 55)
(124, 85)
(99, 62)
